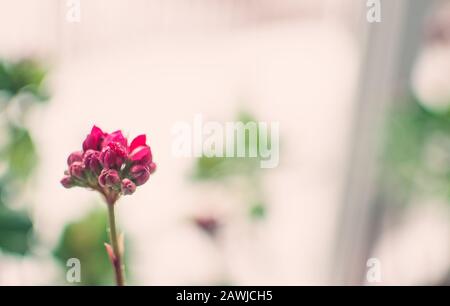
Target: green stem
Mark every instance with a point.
(117, 262)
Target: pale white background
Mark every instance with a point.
(141, 66)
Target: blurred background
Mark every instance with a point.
(364, 112)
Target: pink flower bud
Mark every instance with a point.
(113, 155)
(141, 155)
(91, 161)
(75, 156)
(152, 168)
(117, 137)
(109, 178)
(67, 182)
(137, 142)
(76, 170)
(139, 174)
(128, 187)
(94, 139)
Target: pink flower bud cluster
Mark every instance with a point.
(108, 164)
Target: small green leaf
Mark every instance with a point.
(258, 211)
(21, 153)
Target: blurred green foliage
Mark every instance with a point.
(23, 76)
(258, 210)
(247, 169)
(15, 228)
(220, 168)
(417, 150)
(83, 239)
(21, 86)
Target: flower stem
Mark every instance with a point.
(117, 262)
